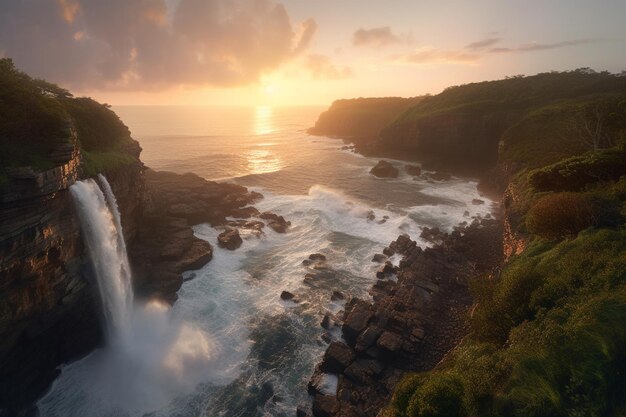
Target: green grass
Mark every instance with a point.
(102, 161)
(548, 338)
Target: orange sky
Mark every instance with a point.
(296, 52)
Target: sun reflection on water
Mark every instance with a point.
(263, 120)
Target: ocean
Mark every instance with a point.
(230, 346)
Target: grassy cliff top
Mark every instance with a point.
(37, 117)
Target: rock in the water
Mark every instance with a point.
(386, 270)
(440, 176)
(388, 251)
(379, 257)
(337, 295)
(477, 201)
(413, 170)
(338, 357)
(325, 406)
(286, 295)
(229, 239)
(325, 321)
(384, 169)
(275, 222)
(316, 257)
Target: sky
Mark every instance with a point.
(301, 52)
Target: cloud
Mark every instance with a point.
(376, 37)
(321, 67)
(537, 46)
(139, 44)
(433, 55)
(483, 43)
(475, 51)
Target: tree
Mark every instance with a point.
(597, 124)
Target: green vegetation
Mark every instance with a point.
(37, 118)
(361, 118)
(548, 336)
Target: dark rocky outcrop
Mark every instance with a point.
(413, 170)
(275, 222)
(411, 324)
(229, 239)
(384, 169)
(166, 246)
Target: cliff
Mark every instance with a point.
(360, 120)
(49, 309)
(485, 129)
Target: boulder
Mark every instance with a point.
(338, 357)
(275, 222)
(357, 318)
(286, 295)
(388, 251)
(379, 257)
(229, 239)
(384, 169)
(325, 406)
(317, 257)
(413, 170)
(337, 295)
(440, 176)
(389, 342)
(477, 201)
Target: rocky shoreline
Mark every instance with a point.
(166, 247)
(418, 313)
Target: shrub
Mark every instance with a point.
(441, 395)
(574, 174)
(561, 215)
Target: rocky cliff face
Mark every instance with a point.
(48, 307)
(456, 141)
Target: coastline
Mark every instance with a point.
(411, 323)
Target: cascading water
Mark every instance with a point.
(102, 233)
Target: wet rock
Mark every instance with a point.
(379, 257)
(302, 411)
(287, 296)
(229, 239)
(440, 176)
(358, 315)
(275, 222)
(466, 213)
(337, 295)
(325, 406)
(389, 342)
(368, 338)
(371, 216)
(338, 357)
(432, 235)
(384, 169)
(477, 201)
(386, 270)
(325, 321)
(245, 212)
(327, 337)
(362, 371)
(413, 170)
(317, 257)
(388, 251)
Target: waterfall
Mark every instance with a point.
(102, 233)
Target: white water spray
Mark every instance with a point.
(102, 233)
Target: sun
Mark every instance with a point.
(269, 89)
